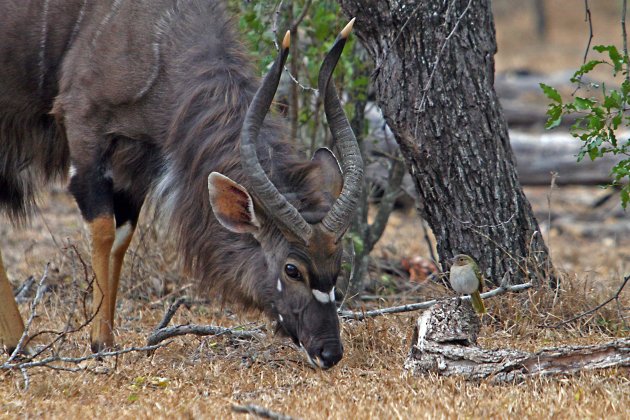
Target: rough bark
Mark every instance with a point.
(434, 82)
(445, 343)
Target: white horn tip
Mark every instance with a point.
(346, 31)
(286, 42)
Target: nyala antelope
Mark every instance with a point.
(158, 98)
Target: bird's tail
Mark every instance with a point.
(477, 303)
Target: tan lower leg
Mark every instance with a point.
(124, 234)
(103, 233)
(11, 324)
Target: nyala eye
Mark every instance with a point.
(293, 272)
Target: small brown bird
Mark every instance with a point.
(466, 278)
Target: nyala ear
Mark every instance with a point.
(330, 172)
(232, 205)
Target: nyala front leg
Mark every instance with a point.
(92, 187)
(11, 324)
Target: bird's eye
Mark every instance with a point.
(293, 272)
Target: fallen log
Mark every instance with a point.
(445, 343)
(538, 155)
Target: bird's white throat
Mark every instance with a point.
(463, 279)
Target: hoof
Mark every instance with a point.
(27, 350)
(99, 346)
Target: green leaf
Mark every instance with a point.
(593, 153)
(616, 121)
(554, 116)
(613, 100)
(358, 244)
(616, 58)
(581, 155)
(551, 93)
(582, 104)
(586, 68)
(625, 196)
(595, 123)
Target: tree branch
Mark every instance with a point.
(274, 29)
(396, 174)
(24, 339)
(601, 305)
(47, 362)
(259, 411)
(360, 316)
(162, 334)
(170, 312)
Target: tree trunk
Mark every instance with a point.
(434, 75)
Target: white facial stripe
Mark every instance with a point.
(321, 296)
(73, 171)
(279, 285)
(280, 318)
(331, 295)
(308, 357)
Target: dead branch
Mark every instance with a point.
(24, 339)
(598, 307)
(359, 316)
(162, 332)
(170, 312)
(274, 29)
(24, 291)
(48, 361)
(24, 357)
(445, 343)
(159, 335)
(259, 411)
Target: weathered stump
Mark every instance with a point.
(445, 342)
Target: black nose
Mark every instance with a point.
(330, 354)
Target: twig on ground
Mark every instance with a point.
(33, 313)
(170, 312)
(23, 292)
(18, 360)
(27, 380)
(359, 316)
(48, 361)
(170, 295)
(259, 411)
(601, 305)
(162, 334)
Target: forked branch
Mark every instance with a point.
(163, 332)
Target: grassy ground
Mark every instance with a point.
(203, 377)
(199, 377)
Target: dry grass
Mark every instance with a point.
(201, 377)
